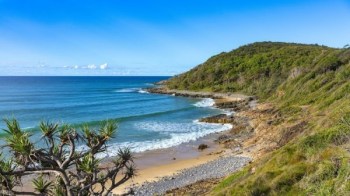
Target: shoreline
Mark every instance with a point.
(198, 94)
(183, 161)
(155, 166)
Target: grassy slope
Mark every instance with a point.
(292, 77)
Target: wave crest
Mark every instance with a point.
(130, 90)
(206, 102)
(186, 132)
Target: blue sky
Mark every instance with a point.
(154, 37)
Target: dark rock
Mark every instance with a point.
(234, 105)
(202, 146)
(220, 118)
(222, 138)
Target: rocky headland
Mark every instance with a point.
(296, 135)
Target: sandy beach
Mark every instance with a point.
(186, 163)
(156, 166)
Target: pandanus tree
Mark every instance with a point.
(55, 164)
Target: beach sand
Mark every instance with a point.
(155, 164)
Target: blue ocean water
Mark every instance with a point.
(146, 121)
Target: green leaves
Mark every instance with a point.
(18, 141)
(105, 133)
(6, 165)
(90, 137)
(48, 129)
(13, 127)
(65, 133)
(125, 159)
(88, 164)
(123, 156)
(130, 170)
(57, 190)
(108, 130)
(41, 186)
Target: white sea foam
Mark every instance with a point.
(206, 102)
(130, 90)
(178, 133)
(142, 91)
(228, 112)
(127, 90)
(149, 84)
(173, 133)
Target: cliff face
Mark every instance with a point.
(309, 88)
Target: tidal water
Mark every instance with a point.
(145, 121)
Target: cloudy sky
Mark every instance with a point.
(153, 37)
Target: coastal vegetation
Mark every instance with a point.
(56, 166)
(305, 83)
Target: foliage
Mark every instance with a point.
(297, 79)
(41, 185)
(258, 68)
(59, 168)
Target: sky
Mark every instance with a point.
(153, 37)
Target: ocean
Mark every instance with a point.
(145, 121)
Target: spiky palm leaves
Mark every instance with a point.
(87, 164)
(41, 185)
(61, 169)
(18, 142)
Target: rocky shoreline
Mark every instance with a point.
(231, 140)
(194, 94)
(211, 170)
(231, 102)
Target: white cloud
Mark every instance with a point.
(91, 66)
(104, 66)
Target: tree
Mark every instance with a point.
(57, 167)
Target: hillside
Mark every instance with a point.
(307, 83)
